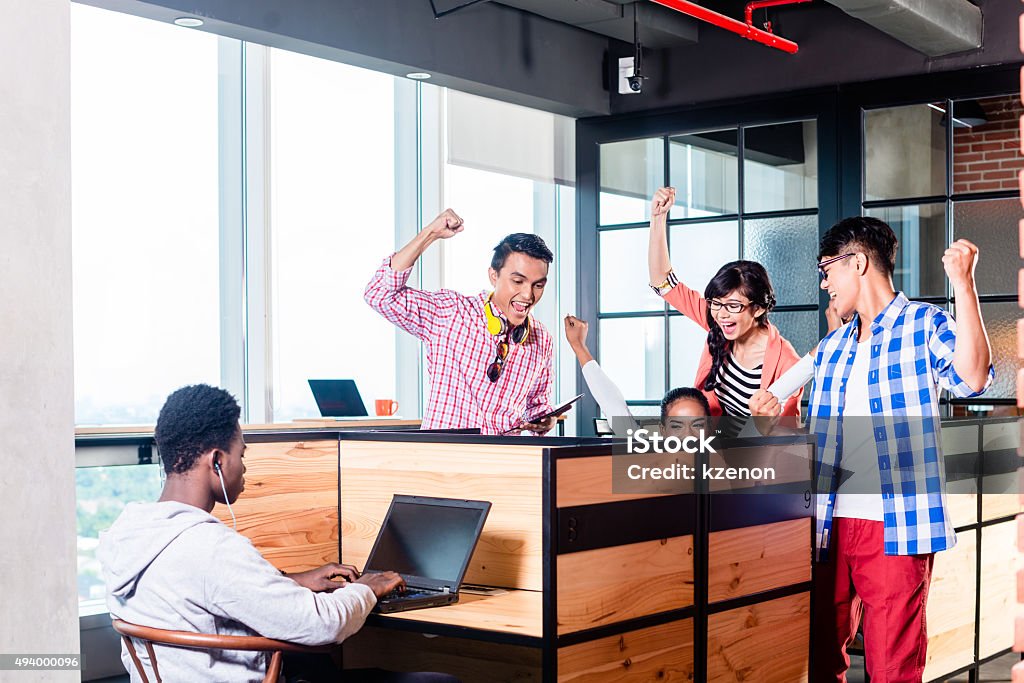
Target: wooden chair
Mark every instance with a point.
(206, 641)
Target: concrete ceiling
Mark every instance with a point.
(932, 27)
(657, 26)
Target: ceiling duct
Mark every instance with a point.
(659, 27)
(934, 27)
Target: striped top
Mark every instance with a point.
(736, 386)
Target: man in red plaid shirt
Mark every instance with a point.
(489, 360)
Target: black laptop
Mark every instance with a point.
(429, 541)
(337, 398)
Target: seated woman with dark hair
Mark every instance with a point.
(683, 409)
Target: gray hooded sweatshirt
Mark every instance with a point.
(173, 566)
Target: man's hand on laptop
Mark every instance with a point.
(382, 583)
(322, 579)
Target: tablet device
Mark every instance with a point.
(559, 409)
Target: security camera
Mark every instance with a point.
(636, 83)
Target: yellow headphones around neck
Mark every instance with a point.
(497, 325)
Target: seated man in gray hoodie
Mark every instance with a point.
(173, 565)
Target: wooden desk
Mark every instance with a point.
(604, 583)
(721, 590)
(516, 612)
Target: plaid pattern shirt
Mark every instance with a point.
(459, 349)
(911, 350)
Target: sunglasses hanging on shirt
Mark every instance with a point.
(495, 368)
(497, 325)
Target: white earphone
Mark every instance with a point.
(216, 466)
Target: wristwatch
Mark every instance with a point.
(670, 281)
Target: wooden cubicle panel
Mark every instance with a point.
(764, 642)
(758, 558)
(999, 564)
(289, 508)
(589, 480)
(510, 551)
(472, 661)
(608, 585)
(657, 653)
(951, 608)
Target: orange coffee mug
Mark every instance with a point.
(386, 406)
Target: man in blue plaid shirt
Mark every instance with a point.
(874, 407)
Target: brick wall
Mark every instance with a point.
(987, 157)
(1017, 674)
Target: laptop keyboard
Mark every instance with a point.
(406, 594)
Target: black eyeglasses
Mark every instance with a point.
(830, 261)
(731, 306)
(495, 368)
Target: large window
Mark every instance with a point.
(102, 493)
(145, 199)
(332, 199)
(647, 347)
(230, 203)
(508, 169)
(935, 178)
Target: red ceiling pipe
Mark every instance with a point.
(761, 4)
(730, 24)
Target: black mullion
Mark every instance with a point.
(795, 308)
(949, 185)
(622, 226)
(741, 166)
(720, 218)
(904, 201)
(994, 299)
(949, 291)
(667, 182)
(938, 300)
(982, 196)
(780, 213)
(588, 285)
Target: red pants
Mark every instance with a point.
(891, 591)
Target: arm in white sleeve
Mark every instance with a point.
(604, 391)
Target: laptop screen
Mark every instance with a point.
(337, 397)
(431, 538)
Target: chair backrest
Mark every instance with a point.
(204, 641)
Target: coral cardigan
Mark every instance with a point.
(779, 355)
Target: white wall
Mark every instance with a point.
(37, 477)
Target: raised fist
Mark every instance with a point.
(445, 225)
(959, 261)
(575, 331)
(663, 200)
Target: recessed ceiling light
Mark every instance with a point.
(188, 22)
(418, 76)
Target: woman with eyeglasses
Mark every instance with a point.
(744, 352)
